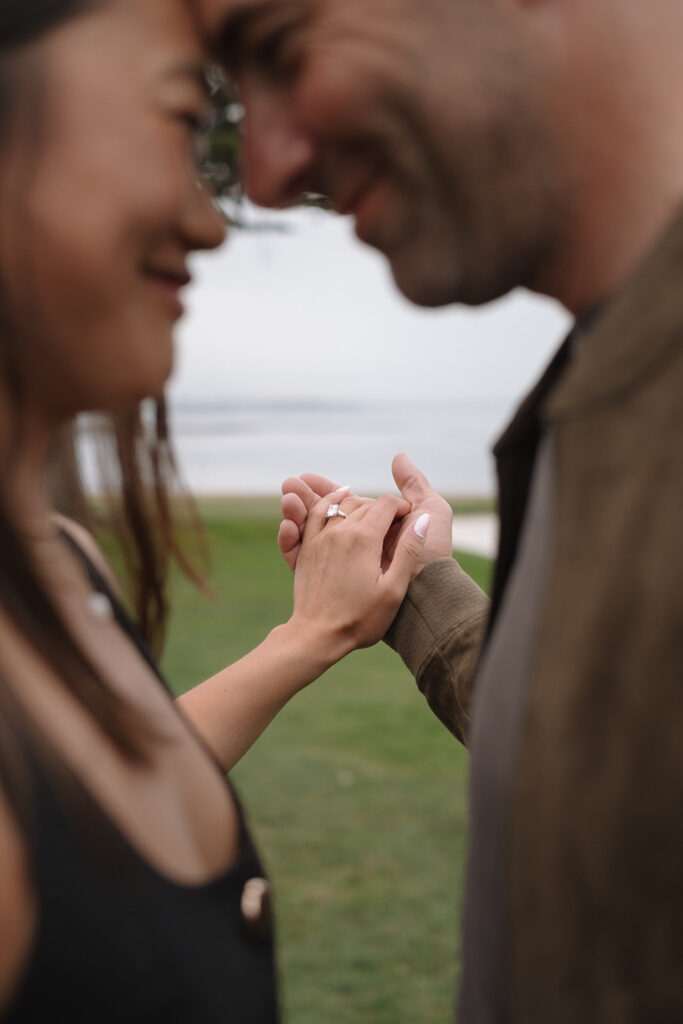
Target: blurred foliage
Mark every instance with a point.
(220, 165)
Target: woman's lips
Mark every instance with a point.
(169, 284)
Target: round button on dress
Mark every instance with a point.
(256, 906)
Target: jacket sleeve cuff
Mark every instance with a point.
(439, 632)
(442, 598)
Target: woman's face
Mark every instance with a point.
(99, 211)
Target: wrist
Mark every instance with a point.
(312, 645)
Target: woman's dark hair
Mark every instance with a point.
(24, 21)
(140, 510)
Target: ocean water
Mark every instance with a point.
(240, 448)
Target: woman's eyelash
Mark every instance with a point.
(199, 131)
(194, 121)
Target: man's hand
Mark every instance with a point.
(300, 494)
(416, 489)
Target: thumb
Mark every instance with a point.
(412, 484)
(408, 557)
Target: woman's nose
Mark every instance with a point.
(204, 224)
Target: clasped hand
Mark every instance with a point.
(351, 574)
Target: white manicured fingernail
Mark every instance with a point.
(422, 526)
(346, 487)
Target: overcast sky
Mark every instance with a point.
(308, 312)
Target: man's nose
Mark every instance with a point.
(278, 153)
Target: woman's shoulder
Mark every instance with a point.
(83, 539)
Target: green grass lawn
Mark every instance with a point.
(356, 794)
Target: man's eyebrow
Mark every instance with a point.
(229, 41)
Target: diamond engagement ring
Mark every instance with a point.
(334, 510)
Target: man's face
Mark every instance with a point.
(420, 118)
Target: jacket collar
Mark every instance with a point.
(640, 328)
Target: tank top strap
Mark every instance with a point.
(101, 586)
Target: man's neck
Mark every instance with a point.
(602, 254)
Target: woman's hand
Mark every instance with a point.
(346, 590)
(346, 594)
(300, 495)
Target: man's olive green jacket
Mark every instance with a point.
(596, 851)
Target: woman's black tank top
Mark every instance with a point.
(118, 942)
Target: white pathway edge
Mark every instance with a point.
(477, 534)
